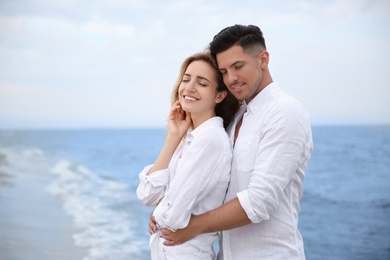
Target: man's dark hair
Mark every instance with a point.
(249, 37)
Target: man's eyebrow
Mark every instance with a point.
(234, 64)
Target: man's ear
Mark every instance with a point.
(220, 96)
(263, 59)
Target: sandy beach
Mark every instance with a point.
(32, 222)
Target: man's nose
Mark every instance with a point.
(232, 78)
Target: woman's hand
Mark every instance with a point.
(178, 120)
(152, 224)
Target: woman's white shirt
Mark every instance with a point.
(195, 181)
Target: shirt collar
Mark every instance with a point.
(215, 121)
(261, 97)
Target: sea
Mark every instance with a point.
(345, 209)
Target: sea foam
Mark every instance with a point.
(101, 209)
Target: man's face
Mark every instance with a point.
(241, 72)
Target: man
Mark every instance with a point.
(272, 141)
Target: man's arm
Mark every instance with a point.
(229, 216)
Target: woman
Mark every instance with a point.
(191, 173)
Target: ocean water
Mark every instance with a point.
(345, 209)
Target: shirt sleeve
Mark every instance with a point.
(152, 187)
(282, 148)
(196, 174)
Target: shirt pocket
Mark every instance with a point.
(245, 151)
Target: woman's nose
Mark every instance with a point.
(190, 86)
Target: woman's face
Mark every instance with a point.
(198, 89)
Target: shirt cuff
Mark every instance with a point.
(157, 179)
(243, 198)
(161, 215)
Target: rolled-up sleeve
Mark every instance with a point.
(200, 169)
(152, 187)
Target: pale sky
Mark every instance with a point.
(109, 64)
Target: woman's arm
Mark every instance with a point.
(151, 188)
(178, 124)
(204, 164)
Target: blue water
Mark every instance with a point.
(345, 210)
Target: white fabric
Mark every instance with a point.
(195, 182)
(270, 157)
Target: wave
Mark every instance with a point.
(101, 208)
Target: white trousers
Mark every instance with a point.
(184, 251)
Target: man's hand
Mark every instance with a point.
(229, 216)
(181, 235)
(176, 238)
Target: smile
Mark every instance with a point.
(190, 98)
(237, 87)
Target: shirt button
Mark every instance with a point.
(168, 204)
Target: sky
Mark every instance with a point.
(112, 64)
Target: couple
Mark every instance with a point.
(234, 159)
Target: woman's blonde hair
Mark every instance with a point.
(225, 109)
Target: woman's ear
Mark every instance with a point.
(220, 96)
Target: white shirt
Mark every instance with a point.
(195, 182)
(270, 157)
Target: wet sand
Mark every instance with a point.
(33, 225)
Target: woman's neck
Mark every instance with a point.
(198, 119)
